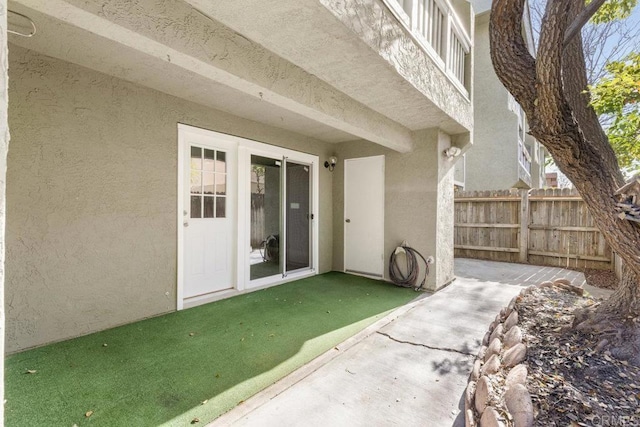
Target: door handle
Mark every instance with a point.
(347, 220)
(186, 224)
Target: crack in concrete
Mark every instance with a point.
(452, 350)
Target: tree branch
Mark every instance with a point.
(552, 111)
(574, 81)
(514, 65)
(580, 20)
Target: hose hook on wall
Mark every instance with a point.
(33, 26)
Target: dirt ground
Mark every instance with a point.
(604, 279)
(571, 383)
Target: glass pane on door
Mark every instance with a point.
(206, 187)
(265, 257)
(298, 212)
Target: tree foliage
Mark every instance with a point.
(612, 73)
(617, 97)
(613, 10)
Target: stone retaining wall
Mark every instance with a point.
(497, 387)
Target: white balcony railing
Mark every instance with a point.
(524, 158)
(436, 27)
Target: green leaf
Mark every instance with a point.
(612, 10)
(616, 97)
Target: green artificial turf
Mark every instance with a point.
(154, 372)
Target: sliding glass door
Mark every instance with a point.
(297, 216)
(281, 217)
(266, 186)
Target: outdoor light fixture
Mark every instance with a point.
(452, 152)
(331, 163)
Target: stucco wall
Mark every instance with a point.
(492, 161)
(4, 145)
(376, 25)
(418, 201)
(91, 220)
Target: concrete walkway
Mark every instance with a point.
(409, 369)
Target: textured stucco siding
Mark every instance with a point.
(4, 145)
(418, 202)
(444, 213)
(492, 161)
(172, 47)
(373, 23)
(92, 197)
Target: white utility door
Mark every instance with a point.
(209, 191)
(364, 215)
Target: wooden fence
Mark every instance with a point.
(542, 227)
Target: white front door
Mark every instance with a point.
(209, 192)
(364, 215)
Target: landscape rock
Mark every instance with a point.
(469, 420)
(497, 332)
(571, 288)
(491, 418)
(514, 355)
(511, 321)
(495, 347)
(512, 337)
(512, 303)
(562, 281)
(469, 394)
(482, 352)
(546, 285)
(485, 340)
(484, 390)
(517, 375)
(519, 404)
(491, 366)
(508, 311)
(475, 372)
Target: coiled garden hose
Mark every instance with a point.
(412, 268)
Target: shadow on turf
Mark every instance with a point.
(160, 370)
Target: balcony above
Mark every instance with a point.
(364, 49)
(329, 69)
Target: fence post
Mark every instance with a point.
(524, 226)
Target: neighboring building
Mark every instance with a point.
(137, 129)
(556, 179)
(503, 155)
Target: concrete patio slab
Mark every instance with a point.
(409, 370)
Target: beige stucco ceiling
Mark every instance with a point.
(317, 70)
(357, 47)
(82, 47)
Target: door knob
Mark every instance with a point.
(347, 220)
(186, 224)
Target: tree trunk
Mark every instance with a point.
(551, 91)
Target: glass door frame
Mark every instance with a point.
(246, 149)
(283, 207)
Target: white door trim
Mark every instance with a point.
(183, 131)
(246, 147)
(260, 149)
(180, 219)
(344, 216)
